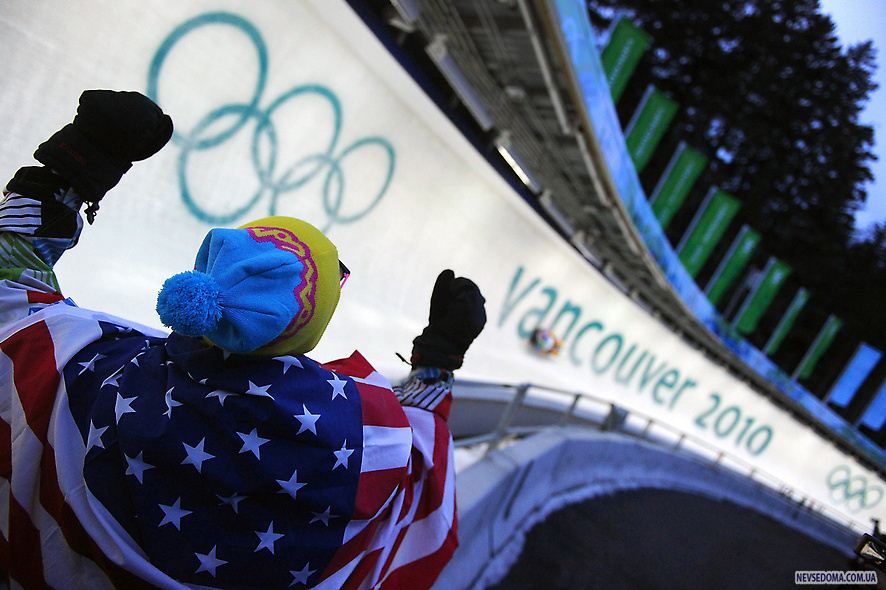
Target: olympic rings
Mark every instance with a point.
(212, 18)
(853, 490)
(206, 135)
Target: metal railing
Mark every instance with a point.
(643, 427)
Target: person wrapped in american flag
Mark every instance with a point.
(218, 456)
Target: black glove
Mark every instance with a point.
(457, 317)
(111, 130)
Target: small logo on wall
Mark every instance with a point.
(276, 177)
(852, 490)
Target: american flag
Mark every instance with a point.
(131, 459)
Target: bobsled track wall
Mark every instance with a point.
(295, 108)
(508, 492)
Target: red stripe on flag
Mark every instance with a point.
(34, 373)
(374, 488)
(26, 559)
(435, 481)
(367, 562)
(26, 556)
(355, 366)
(421, 573)
(380, 407)
(40, 297)
(444, 407)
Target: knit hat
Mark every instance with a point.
(269, 287)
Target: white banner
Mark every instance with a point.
(294, 107)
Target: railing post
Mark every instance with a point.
(679, 442)
(646, 429)
(508, 415)
(615, 419)
(568, 414)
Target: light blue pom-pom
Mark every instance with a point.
(188, 303)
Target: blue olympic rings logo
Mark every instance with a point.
(275, 179)
(853, 490)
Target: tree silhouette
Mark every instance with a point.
(768, 92)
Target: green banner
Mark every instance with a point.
(682, 172)
(821, 343)
(706, 229)
(626, 46)
(733, 263)
(786, 321)
(648, 125)
(758, 301)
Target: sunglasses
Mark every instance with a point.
(343, 274)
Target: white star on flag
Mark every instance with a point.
(173, 514)
(123, 405)
(288, 361)
(134, 360)
(301, 576)
(203, 381)
(208, 562)
(259, 391)
(252, 442)
(94, 438)
(225, 355)
(90, 364)
(291, 486)
(233, 501)
(267, 539)
(170, 403)
(323, 516)
(338, 386)
(112, 380)
(196, 455)
(221, 394)
(341, 455)
(308, 420)
(137, 466)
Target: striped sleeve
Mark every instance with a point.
(39, 221)
(427, 388)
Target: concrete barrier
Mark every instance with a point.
(502, 496)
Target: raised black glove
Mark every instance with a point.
(457, 317)
(111, 130)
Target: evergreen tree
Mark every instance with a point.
(766, 89)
